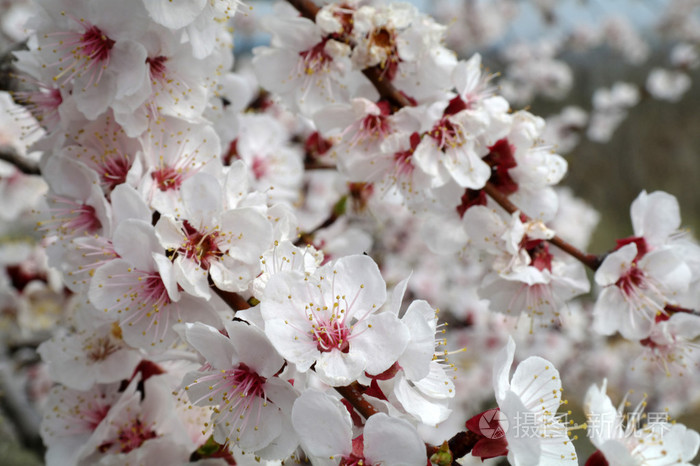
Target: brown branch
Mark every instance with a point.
(385, 88)
(22, 164)
(353, 394)
(390, 93)
(307, 8)
(589, 260)
(235, 301)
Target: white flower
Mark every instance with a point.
(139, 290)
(636, 289)
(325, 430)
(88, 356)
(330, 319)
(532, 396)
(212, 242)
(305, 68)
(251, 405)
(657, 442)
(667, 84)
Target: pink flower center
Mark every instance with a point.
(357, 457)
(42, 104)
(447, 134)
(330, 335)
(402, 160)
(153, 290)
(95, 45)
(100, 349)
(114, 171)
(316, 59)
(73, 217)
(260, 167)
(247, 382)
(201, 247)
(538, 250)
(157, 66)
(90, 52)
(377, 125)
(168, 178)
(632, 280)
(133, 436)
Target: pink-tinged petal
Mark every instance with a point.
(616, 265)
(501, 370)
(336, 368)
(538, 384)
(655, 216)
(254, 349)
(380, 340)
(217, 349)
(323, 424)
(135, 241)
(393, 442)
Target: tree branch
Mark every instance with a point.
(589, 260)
(353, 394)
(9, 155)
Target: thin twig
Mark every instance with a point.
(27, 167)
(589, 260)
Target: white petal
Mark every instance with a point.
(393, 442)
(215, 347)
(501, 369)
(254, 349)
(323, 424)
(655, 216)
(135, 241)
(380, 340)
(336, 368)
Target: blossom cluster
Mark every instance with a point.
(246, 266)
